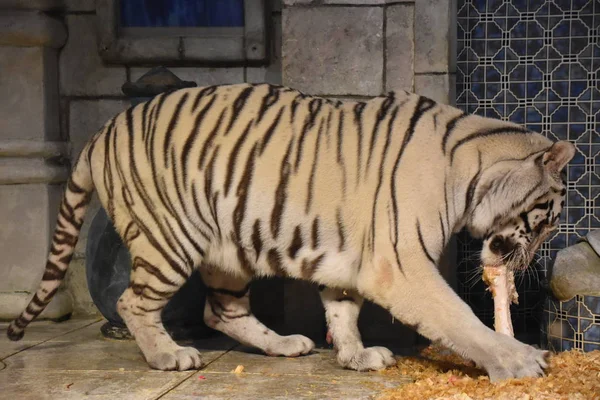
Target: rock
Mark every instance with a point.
(593, 239)
(576, 270)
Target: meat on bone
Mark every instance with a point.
(501, 282)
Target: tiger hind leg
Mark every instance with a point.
(341, 311)
(141, 305)
(227, 310)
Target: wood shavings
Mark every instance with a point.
(441, 374)
(238, 370)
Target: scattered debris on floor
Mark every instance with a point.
(440, 374)
(238, 370)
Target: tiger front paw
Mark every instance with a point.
(513, 359)
(290, 346)
(181, 359)
(369, 359)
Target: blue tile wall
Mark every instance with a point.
(573, 324)
(537, 63)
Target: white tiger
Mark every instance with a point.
(360, 197)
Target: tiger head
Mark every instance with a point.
(518, 204)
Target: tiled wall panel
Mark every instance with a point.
(537, 63)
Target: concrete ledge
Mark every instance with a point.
(32, 148)
(15, 171)
(30, 29)
(31, 4)
(12, 304)
(30, 161)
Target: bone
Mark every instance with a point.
(501, 283)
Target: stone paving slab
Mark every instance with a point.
(72, 360)
(87, 349)
(38, 332)
(33, 384)
(320, 362)
(212, 385)
(313, 376)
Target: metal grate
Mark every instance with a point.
(537, 63)
(573, 324)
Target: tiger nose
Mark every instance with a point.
(500, 245)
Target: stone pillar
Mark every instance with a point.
(32, 155)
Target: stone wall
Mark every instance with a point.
(31, 167)
(363, 48)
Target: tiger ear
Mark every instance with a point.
(557, 156)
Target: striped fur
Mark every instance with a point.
(260, 180)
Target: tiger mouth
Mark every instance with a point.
(517, 259)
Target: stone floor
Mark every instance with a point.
(71, 360)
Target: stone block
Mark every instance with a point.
(43, 5)
(297, 2)
(86, 117)
(202, 76)
(76, 283)
(29, 106)
(82, 72)
(452, 37)
(28, 215)
(31, 169)
(275, 5)
(79, 5)
(272, 72)
(268, 74)
(333, 50)
(433, 26)
(30, 29)
(434, 86)
(400, 47)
